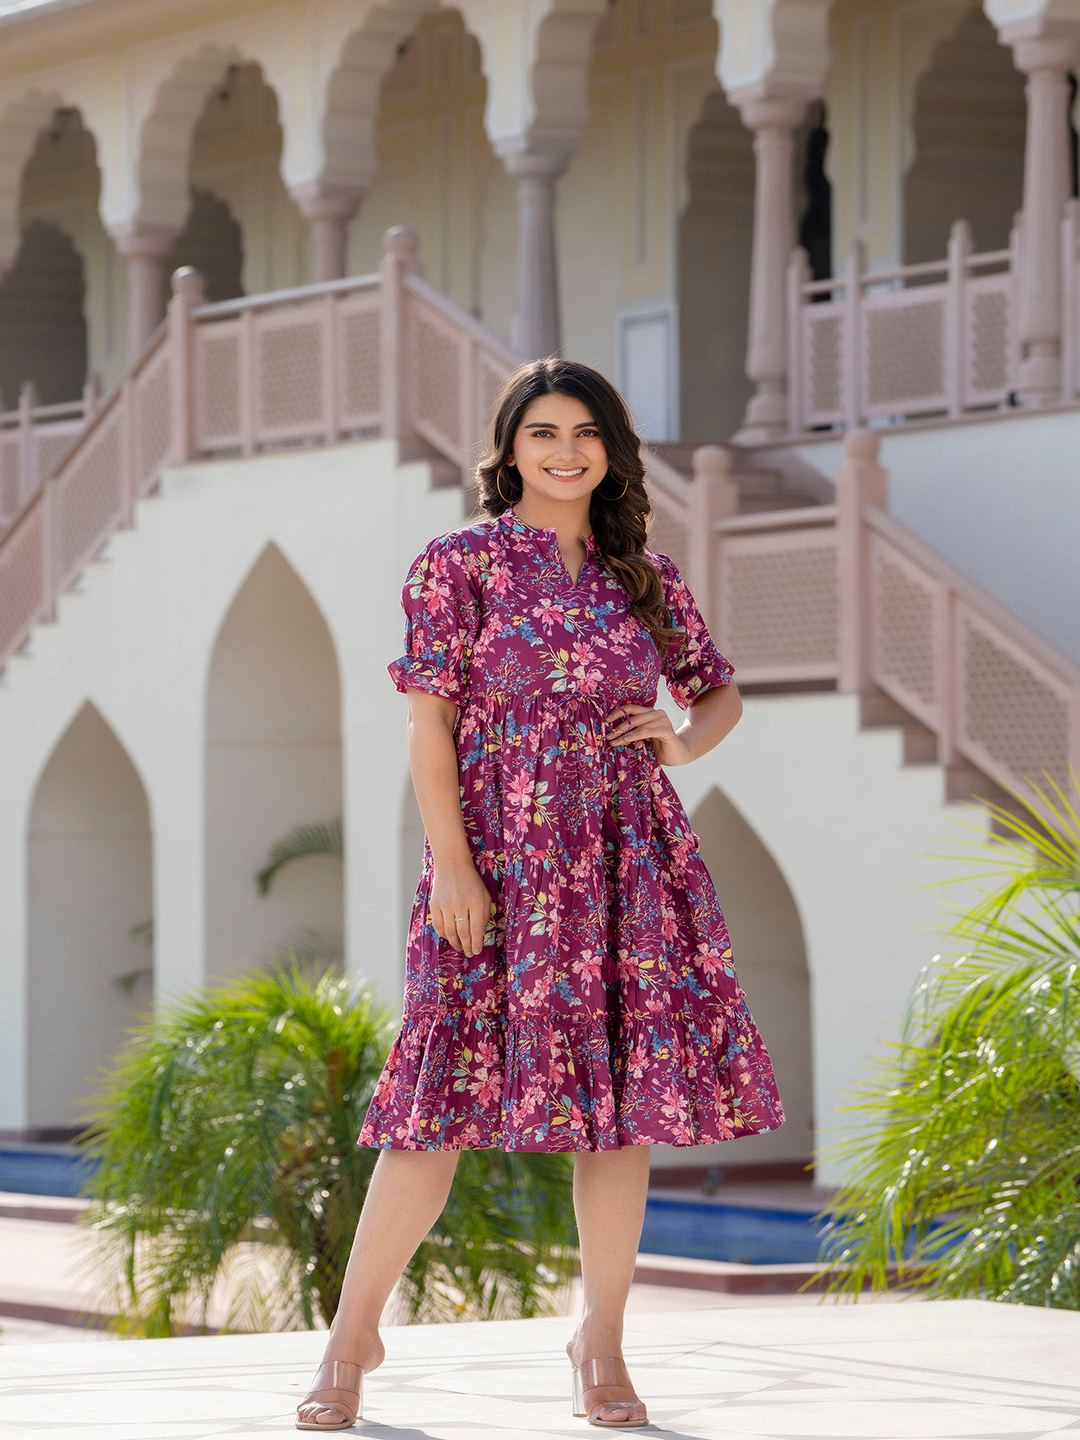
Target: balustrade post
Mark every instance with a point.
(851, 361)
(714, 496)
(49, 530)
(946, 675)
(189, 291)
(798, 275)
(861, 481)
(28, 479)
(1070, 231)
(1016, 249)
(91, 395)
(401, 257)
(961, 247)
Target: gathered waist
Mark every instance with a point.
(601, 702)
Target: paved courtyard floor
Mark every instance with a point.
(910, 1370)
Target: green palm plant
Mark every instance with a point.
(302, 842)
(964, 1179)
(227, 1126)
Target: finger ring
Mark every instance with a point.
(459, 917)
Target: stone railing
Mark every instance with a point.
(837, 594)
(381, 354)
(843, 593)
(936, 339)
(33, 440)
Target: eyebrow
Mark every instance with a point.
(548, 425)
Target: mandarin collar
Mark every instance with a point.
(513, 521)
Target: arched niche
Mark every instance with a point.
(56, 293)
(213, 241)
(715, 243)
(769, 950)
(416, 135)
(968, 126)
(89, 882)
(273, 762)
(42, 319)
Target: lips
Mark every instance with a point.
(560, 474)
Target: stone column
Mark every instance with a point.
(536, 320)
(145, 248)
(773, 119)
(1046, 61)
(328, 210)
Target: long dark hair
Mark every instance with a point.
(619, 511)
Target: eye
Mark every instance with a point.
(545, 431)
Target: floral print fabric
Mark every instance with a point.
(604, 1008)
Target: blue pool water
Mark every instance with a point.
(695, 1227)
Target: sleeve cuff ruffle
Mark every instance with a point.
(710, 670)
(410, 673)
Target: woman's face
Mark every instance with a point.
(558, 449)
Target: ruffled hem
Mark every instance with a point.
(467, 1077)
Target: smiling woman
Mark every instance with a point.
(569, 981)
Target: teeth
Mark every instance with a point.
(579, 471)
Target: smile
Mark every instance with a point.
(566, 474)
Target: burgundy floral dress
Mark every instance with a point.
(604, 1008)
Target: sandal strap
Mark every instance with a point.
(344, 1375)
(601, 1370)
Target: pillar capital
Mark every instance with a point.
(1055, 50)
(142, 239)
(763, 107)
(321, 200)
(525, 160)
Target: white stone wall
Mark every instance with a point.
(814, 831)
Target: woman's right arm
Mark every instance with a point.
(457, 887)
(441, 601)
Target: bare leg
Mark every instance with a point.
(610, 1187)
(405, 1197)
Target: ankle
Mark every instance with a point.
(595, 1333)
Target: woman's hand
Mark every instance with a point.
(629, 722)
(457, 889)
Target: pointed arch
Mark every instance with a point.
(771, 959)
(89, 882)
(272, 732)
(966, 124)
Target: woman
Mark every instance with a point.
(569, 976)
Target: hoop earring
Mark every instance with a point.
(498, 487)
(621, 493)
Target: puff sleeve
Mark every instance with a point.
(692, 663)
(441, 602)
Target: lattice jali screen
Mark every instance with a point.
(490, 374)
(1013, 711)
(435, 359)
(152, 418)
(668, 532)
(217, 386)
(11, 468)
(779, 605)
(22, 581)
(986, 361)
(359, 338)
(289, 381)
(822, 363)
(90, 499)
(905, 629)
(53, 442)
(903, 350)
